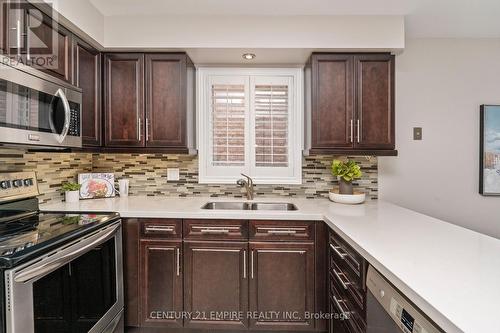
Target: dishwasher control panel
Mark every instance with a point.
(406, 321)
(399, 309)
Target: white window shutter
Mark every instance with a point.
(228, 124)
(271, 125)
(249, 122)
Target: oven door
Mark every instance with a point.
(35, 111)
(77, 288)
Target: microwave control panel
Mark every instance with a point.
(74, 120)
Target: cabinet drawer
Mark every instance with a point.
(350, 287)
(344, 254)
(161, 228)
(216, 229)
(354, 319)
(282, 230)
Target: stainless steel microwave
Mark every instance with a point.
(38, 110)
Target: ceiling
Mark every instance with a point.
(423, 18)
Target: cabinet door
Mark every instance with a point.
(161, 283)
(88, 77)
(332, 101)
(282, 283)
(124, 96)
(49, 45)
(374, 101)
(216, 284)
(166, 100)
(13, 29)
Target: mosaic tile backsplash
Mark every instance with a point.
(52, 169)
(148, 174)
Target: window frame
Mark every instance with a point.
(209, 174)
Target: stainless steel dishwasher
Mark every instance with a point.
(388, 311)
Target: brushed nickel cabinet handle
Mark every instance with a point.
(342, 312)
(139, 128)
(214, 231)
(147, 129)
(251, 265)
(336, 249)
(281, 232)
(159, 228)
(178, 262)
(338, 276)
(352, 131)
(18, 28)
(244, 264)
(359, 124)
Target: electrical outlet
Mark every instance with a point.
(417, 133)
(173, 174)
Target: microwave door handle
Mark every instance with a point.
(67, 115)
(41, 269)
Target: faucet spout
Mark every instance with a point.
(248, 184)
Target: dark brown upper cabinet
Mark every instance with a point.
(54, 37)
(14, 29)
(166, 100)
(87, 76)
(333, 102)
(374, 101)
(124, 99)
(33, 38)
(352, 105)
(146, 101)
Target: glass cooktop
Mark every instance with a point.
(40, 232)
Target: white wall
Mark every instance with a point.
(440, 85)
(342, 32)
(84, 15)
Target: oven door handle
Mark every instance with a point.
(57, 260)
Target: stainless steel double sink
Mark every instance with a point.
(278, 206)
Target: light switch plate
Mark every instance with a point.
(172, 174)
(417, 133)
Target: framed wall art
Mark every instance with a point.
(489, 168)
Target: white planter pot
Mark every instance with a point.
(72, 196)
(349, 199)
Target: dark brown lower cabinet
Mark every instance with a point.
(161, 283)
(215, 285)
(193, 276)
(281, 285)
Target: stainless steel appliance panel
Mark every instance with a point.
(20, 282)
(36, 111)
(388, 311)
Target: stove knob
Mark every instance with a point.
(5, 184)
(17, 182)
(28, 182)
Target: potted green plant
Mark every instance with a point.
(71, 191)
(346, 172)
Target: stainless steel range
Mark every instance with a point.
(59, 272)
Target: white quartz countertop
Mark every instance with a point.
(451, 273)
